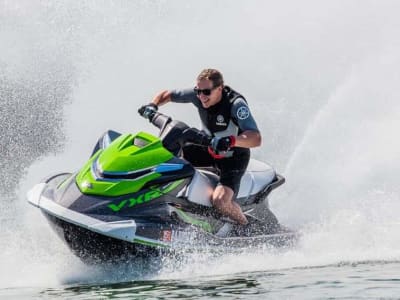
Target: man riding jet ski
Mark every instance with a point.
(136, 197)
(226, 117)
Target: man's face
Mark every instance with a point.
(204, 87)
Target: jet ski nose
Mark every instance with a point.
(35, 193)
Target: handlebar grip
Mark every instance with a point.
(159, 120)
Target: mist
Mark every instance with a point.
(321, 80)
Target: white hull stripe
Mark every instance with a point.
(123, 230)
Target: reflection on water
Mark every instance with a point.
(164, 289)
(344, 280)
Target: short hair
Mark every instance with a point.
(213, 75)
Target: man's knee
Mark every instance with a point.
(222, 196)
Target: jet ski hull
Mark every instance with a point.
(136, 196)
(92, 247)
(94, 240)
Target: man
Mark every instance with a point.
(226, 117)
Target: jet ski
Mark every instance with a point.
(136, 196)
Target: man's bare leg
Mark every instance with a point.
(223, 201)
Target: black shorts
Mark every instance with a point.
(230, 169)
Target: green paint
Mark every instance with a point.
(145, 197)
(122, 155)
(150, 243)
(188, 219)
(134, 201)
(117, 207)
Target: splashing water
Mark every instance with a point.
(323, 89)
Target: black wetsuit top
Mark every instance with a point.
(230, 116)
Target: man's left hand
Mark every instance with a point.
(222, 144)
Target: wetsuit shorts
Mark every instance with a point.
(230, 169)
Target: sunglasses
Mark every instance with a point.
(205, 92)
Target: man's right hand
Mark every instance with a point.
(148, 110)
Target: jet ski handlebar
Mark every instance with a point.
(159, 120)
(175, 134)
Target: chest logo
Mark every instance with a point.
(221, 120)
(243, 113)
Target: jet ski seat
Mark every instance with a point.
(256, 179)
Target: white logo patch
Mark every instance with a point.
(220, 119)
(243, 113)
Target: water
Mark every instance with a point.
(322, 82)
(363, 280)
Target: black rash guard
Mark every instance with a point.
(230, 116)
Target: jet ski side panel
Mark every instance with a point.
(200, 189)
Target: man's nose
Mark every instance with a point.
(203, 97)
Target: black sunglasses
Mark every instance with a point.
(206, 92)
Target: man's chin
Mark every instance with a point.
(206, 105)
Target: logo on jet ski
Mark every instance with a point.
(87, 184)
(145, 197)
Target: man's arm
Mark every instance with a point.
(248, 139)
(165, 96)
(177, 96)
(161, 98)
